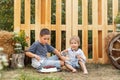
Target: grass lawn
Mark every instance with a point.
(96, 72)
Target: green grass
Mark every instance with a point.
(25, 76)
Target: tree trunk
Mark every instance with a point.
(17, 60)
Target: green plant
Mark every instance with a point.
(117, 18)
(21, 38)
(18, 48)
(25, 76)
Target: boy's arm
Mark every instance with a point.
(59, 55)
(31, 55)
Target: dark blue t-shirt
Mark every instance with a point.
(40, 49)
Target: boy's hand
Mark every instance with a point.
(37, 57)
(65, 50)
(63, 58)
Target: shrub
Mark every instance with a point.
(117, 18)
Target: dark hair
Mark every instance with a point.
(44, 31)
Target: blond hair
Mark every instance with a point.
(76, 38)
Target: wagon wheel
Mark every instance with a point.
(114, 51)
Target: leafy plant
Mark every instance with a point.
(117, 18)
(21, 38)
(6, 14)
(18, 48)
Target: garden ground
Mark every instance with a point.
(96, 72)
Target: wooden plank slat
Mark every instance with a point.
(17, 15)
(85, 24)
(104, 21)
(75, 17)
(58, 23)
(95, 31)
(68, 21)
(99, 12)
(37, 18)
(115, 11)
(27, 19)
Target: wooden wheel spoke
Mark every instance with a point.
(115, 59)
(118, 40)
(116, 49)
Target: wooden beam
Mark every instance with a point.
(85, 24)
(75, 17)
(95, 31)
(27, 18)
(58, 23)
(37, 19)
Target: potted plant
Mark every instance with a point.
(21, 38)
(20, 42)
(117, 21)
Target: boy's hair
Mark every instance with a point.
(44, 31)
(76, 38)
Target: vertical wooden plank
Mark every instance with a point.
(58, 24)
(48, 18)
(99, 12)
(75, 17)
(68, 21)
(48, 15)
(46, 12)
(27, 18)
(95, 32)
(104, 21)
(115, 11)
(85, 25)
(17, 15)
(37, 18)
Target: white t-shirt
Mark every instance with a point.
(72, 54)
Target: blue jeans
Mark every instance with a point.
(50, 61)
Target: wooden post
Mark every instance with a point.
(104, 21)
(37, 18)
(27, 18)
(95, 31)
(75, 17)
(85, 25)
(58, 23)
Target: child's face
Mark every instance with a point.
(44, 39)
(74, 44)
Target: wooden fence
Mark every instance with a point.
(99, 26)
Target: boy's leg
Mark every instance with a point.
(35, 63)
(83, 67)
(56, 63)
(54, 57)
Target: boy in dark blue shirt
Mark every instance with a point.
(39, 49)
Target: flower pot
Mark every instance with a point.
(17, 60)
